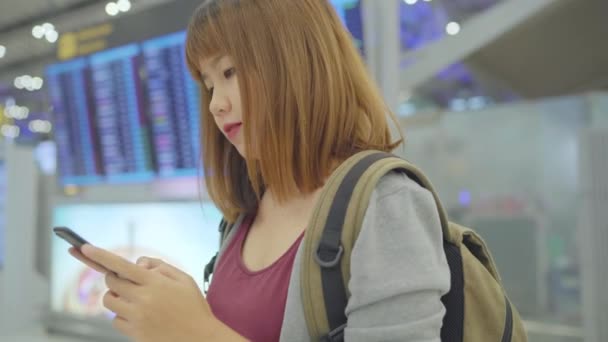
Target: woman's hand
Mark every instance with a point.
(155, 302)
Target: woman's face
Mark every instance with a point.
(220, 78)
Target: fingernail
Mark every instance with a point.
(142, 262)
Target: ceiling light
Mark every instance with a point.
(51, 36)
(26, 80)
(37, 83)
(46, 30)
(40, 126)
(123, 5)
(48, 27)
(411, 2)
(10, 131)
(38, 32)
(112, 9)
(18, 83)
(452, 28)
(17, 112)
(2, 51)
(22, 113)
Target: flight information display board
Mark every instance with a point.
(173, 105)
(74, 122)
(121, 121)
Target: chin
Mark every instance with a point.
(241, 149)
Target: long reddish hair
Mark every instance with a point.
(307, 98)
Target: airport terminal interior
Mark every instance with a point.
(503, 104)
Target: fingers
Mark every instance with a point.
(117, 264)
(116, 304)
(122, 325)
(149, 263)
(172, 272)
(78, 255)
(121, 287)
(162, 267)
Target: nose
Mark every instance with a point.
(220, 103)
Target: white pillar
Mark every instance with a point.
(388, 50)
(371, 36)
(22, 293)
(593, 232)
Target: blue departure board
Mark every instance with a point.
(173, 103)
(121, 122)
(73, 121)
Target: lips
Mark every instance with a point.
(232, 129)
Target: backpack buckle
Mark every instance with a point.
(337, 256)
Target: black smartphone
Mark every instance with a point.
(77, 241)
(70, 236)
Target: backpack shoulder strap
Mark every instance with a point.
(224, 229)
(334, 227)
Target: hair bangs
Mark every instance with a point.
(206, 35)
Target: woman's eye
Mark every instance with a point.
(229, 72)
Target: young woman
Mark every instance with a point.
(286, 99)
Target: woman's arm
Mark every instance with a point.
(398, 267)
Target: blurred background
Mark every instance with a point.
(503, 103)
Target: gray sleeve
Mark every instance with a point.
(398, 268)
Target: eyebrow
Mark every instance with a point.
(213, 64)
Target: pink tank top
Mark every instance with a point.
(251, 303)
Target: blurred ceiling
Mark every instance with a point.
(24, 53)
(511, 49)
(557, 52)
(562, 50)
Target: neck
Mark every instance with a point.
(296, 209)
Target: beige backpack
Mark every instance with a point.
(477, 308)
